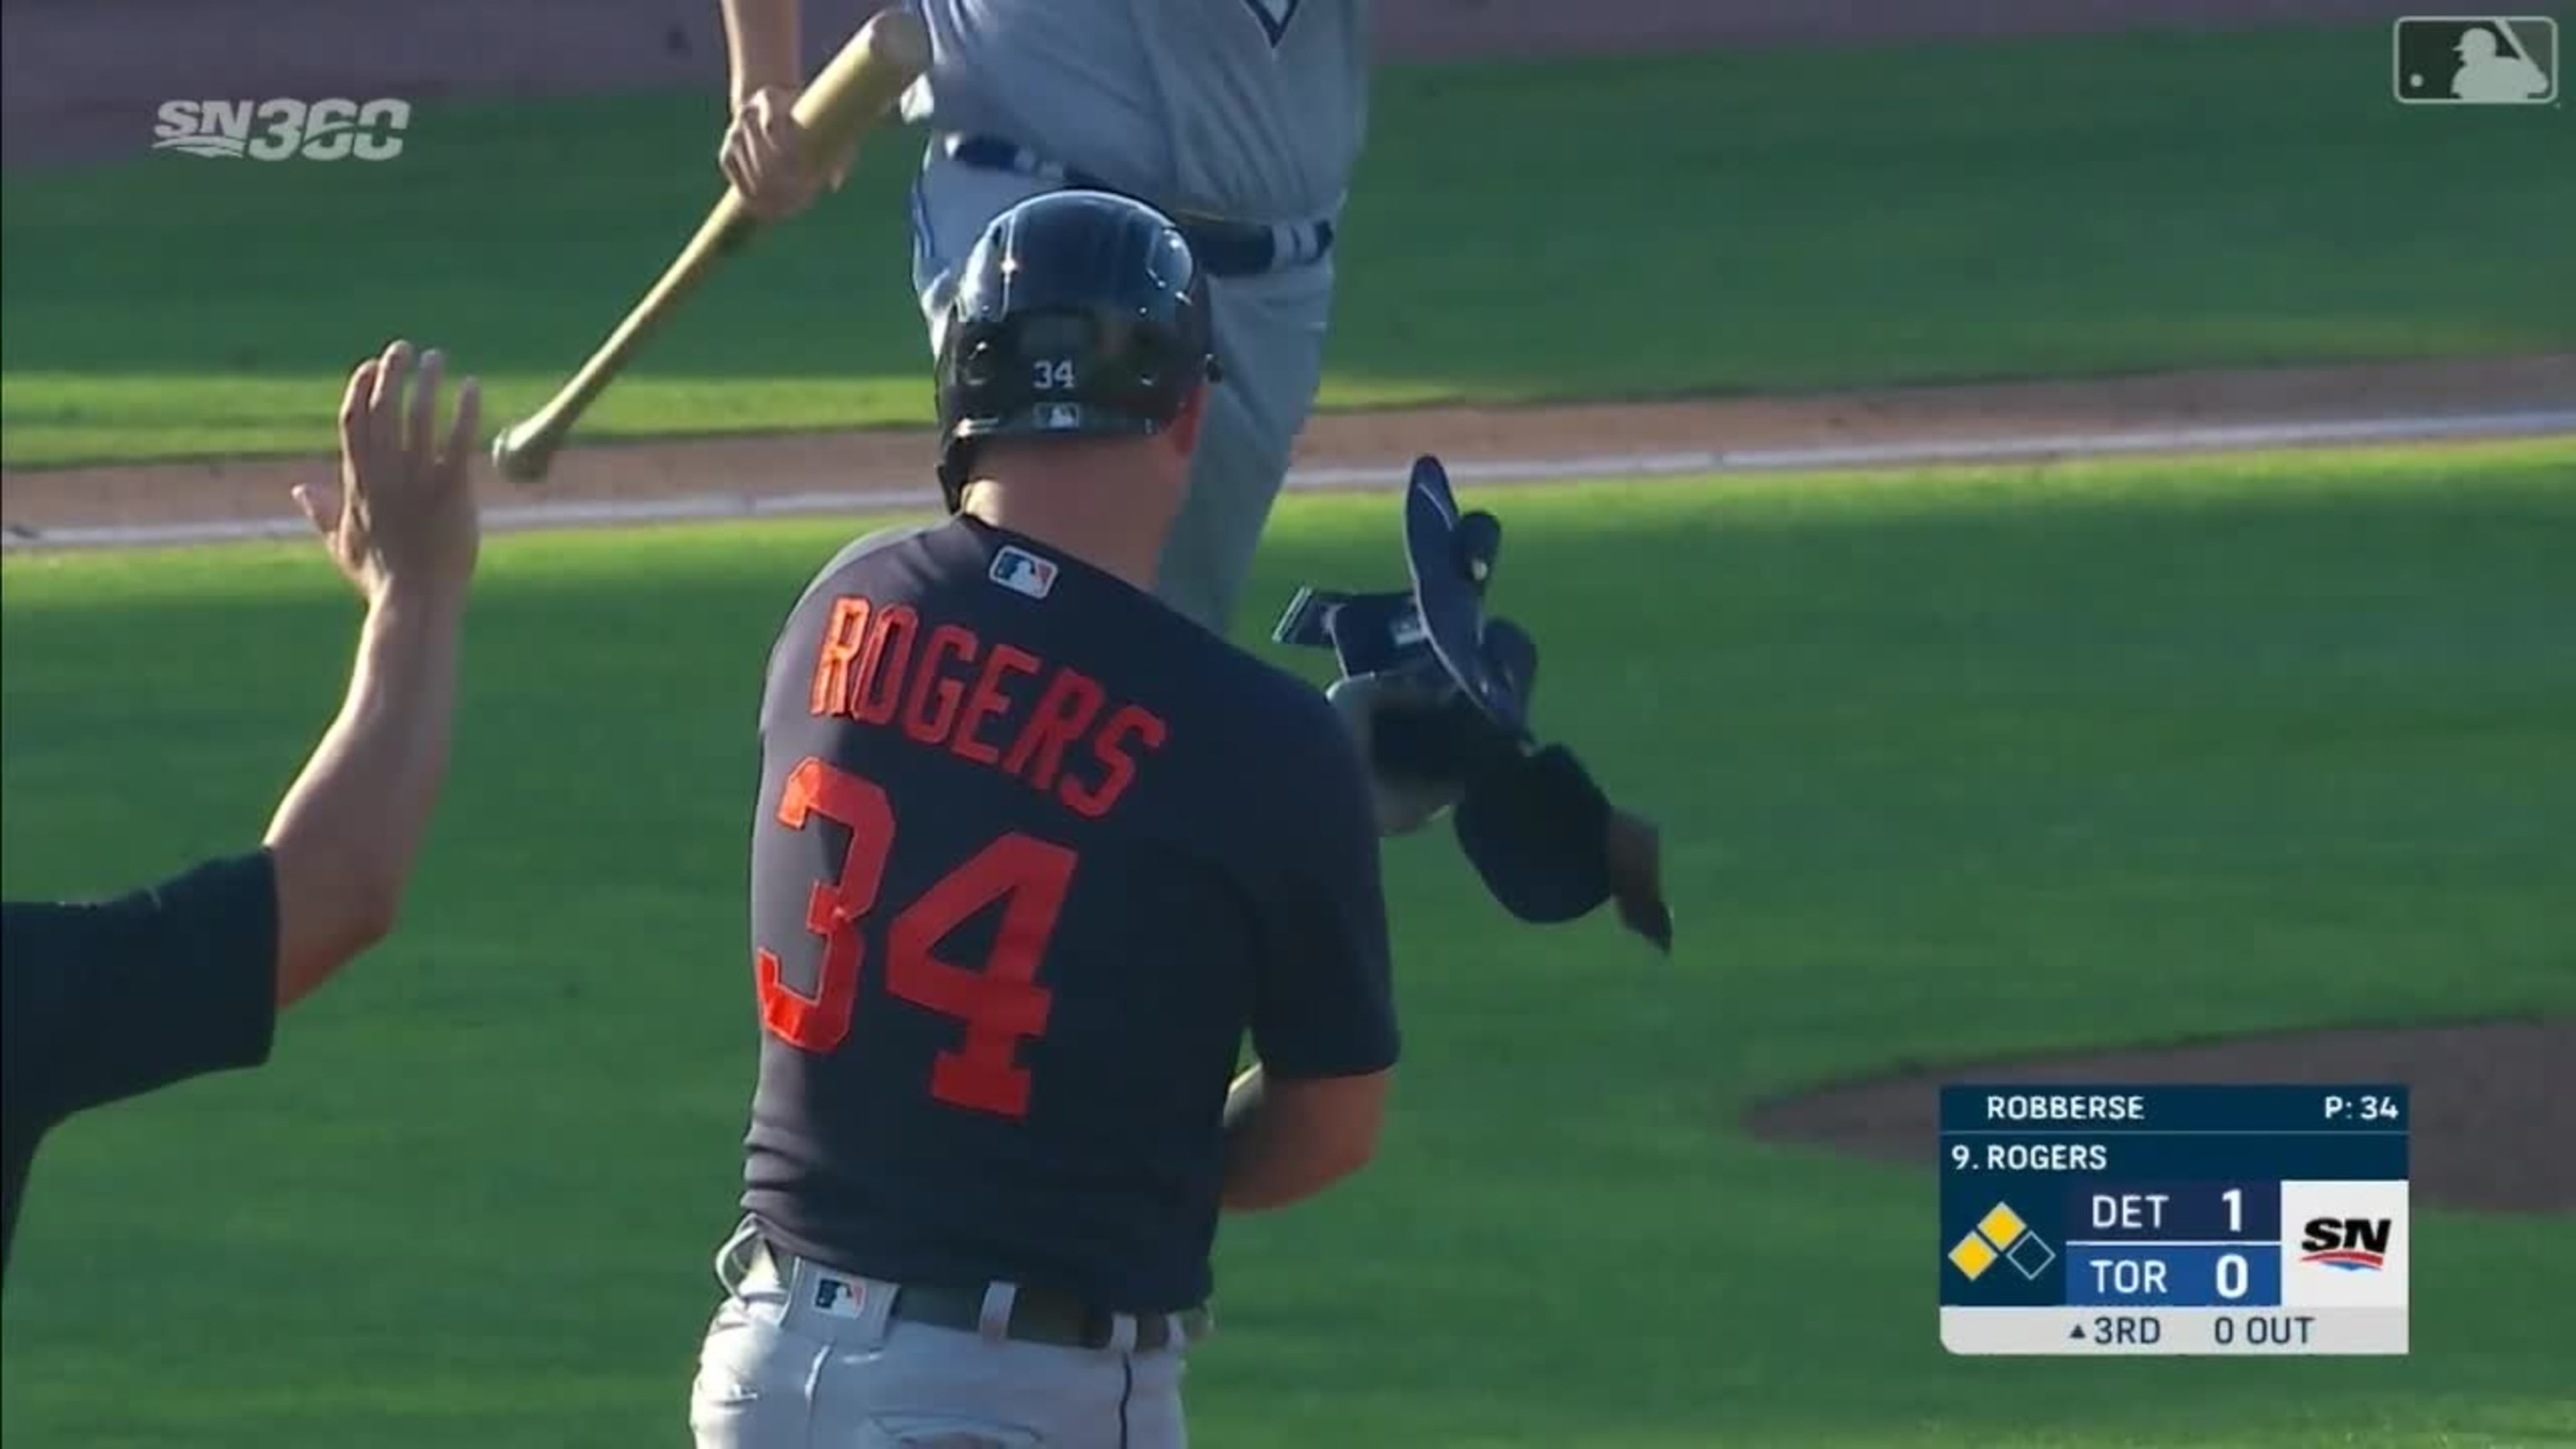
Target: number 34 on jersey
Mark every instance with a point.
(997, 1002)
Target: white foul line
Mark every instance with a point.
(577, 513)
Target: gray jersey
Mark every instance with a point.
(1251, 110)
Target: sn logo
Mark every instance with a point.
(274, 130)
(2355, 1245)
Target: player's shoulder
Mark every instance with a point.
(1284, 718)
(1289, 704)
(886, 564)
(896, 550)
(1219, 668)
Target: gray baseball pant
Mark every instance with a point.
(1269, 334)
(815, 1360)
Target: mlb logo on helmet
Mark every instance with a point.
(1023, 572)
(2355, 1245)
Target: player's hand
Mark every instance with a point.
(1635, 856)
(766, 157)
(402, 519)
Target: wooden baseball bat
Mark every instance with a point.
(836, 111)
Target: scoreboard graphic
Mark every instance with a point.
(2174, 1220)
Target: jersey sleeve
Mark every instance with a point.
(1323, 1001)
(112, 1000)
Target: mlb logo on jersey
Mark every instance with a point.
(1023, 572)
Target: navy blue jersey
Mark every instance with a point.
(1033, 853)
(110, 1001)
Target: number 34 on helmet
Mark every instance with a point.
(1077, 313)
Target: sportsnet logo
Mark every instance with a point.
(2344, 1243)
(1023, 572)
(276, 130)
(2354, 1245)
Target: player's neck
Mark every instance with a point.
(1092, 519)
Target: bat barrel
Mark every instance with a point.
(861, 82)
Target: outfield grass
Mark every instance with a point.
(1951, 764)
(1750, 221)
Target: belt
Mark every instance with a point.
(1035, 1315)
(1225, 248)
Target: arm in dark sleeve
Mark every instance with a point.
(1323, 1005)
(112, 1000)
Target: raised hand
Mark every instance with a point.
(402, 518)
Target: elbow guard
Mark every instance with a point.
(1437, 696)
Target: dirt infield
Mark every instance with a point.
(895, 461)
(2494, 1104)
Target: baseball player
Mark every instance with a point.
(1242, 118)
(108, 1001)
(1031, 854)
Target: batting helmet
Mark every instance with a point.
(1078, 313)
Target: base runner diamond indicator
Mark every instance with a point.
(2031, 1256)
(1972, 1256)
(2002, 1225)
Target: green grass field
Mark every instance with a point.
(1951, 764)
(1751, 221)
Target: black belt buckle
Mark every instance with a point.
(1098, 1328)
(1231, 248)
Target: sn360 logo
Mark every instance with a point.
(2356, 1245)
(275, 130)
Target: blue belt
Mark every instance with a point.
(1225, 248)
